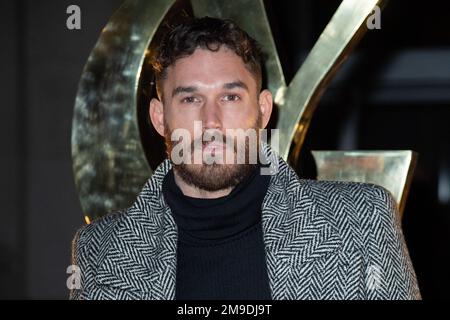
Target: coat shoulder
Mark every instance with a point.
(331, 193)
(89, 238)
(355, 189)
(351, 208)
(356, 197)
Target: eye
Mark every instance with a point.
(231, 97)
(189, 100)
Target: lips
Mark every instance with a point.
(213, 147)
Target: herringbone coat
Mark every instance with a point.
(323, 240)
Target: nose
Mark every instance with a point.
(211, 116)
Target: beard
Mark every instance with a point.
(216, 176)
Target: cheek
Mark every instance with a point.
(244, 118)
(186, 124)
(179, 118)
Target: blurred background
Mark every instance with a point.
(392, 93)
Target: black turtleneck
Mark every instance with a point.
(220, 251)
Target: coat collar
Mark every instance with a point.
(140, 255)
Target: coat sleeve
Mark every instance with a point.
(389, 271)
(81, 265)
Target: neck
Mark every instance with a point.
(193, 192)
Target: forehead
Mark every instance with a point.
(209, 68)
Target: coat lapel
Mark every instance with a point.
(141, 255)
(296, 233)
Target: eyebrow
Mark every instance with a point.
(228, 86)
(235, 84)
(179, 90)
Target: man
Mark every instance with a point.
(214, 229)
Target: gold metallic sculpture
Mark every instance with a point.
(109, 162)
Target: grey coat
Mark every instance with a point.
(323, 240)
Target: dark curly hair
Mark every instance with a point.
(206, 33)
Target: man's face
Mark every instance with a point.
(217, 90)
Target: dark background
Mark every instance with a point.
(393, 93)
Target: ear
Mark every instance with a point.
(265, 105)
(156, 112)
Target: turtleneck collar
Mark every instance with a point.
(204, 221)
